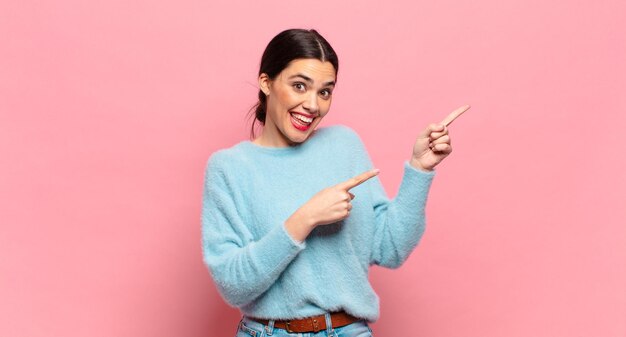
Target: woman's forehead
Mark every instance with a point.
(312, 69)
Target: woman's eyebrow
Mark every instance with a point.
(308, 79)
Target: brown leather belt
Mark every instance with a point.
(311, 324)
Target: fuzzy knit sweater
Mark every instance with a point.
(257, 266)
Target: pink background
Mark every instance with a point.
(109, 110)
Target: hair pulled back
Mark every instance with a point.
(285, 47)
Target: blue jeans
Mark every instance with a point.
(250, 328)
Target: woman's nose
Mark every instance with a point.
(310, 103)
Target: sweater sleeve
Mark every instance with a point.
(242, 268)
(399, 223)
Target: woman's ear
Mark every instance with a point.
(264, 83)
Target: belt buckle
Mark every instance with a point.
(287, 326)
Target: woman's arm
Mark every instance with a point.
(242, 269)
(399, 223)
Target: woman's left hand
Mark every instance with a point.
(433, 144)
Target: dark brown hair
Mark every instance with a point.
(285, 47)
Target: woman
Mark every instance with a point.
(293, 219)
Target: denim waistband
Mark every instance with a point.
(257, 329)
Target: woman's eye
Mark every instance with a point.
(299, 86)
(326, 93)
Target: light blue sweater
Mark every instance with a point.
(251, 190)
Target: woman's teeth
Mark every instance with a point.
(306, 120)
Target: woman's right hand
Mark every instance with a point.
(329, 205)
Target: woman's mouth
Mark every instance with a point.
(301, 122)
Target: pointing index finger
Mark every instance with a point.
(358, 180)
(456, 113)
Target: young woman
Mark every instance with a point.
(293, 219)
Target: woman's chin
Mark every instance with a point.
(297, 136)
(297, 140)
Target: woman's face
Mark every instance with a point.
(297, 100)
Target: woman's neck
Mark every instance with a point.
(271, 138)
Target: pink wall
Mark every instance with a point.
(109, 110)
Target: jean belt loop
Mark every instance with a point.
(329, 325)
(269, 328)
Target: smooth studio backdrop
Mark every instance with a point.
(110, 109)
